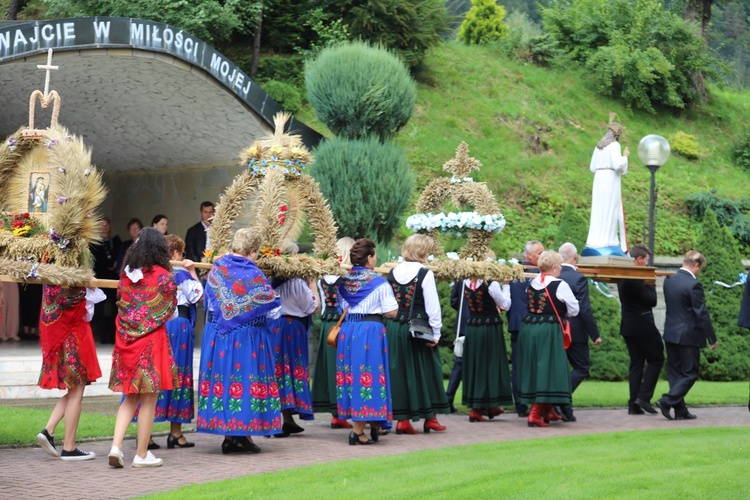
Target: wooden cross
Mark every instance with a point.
(48, 67)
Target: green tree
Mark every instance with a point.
(360, 91)
(573, 228)
(723, 263)
(408, 27)
(635, 50)
(368, 185)
(210, 20)
(483, 23)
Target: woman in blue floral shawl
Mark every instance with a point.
(238, 392)
(363, 391)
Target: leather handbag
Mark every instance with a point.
(458, 344)
(564, 325)
(419, 329)
(333, 332)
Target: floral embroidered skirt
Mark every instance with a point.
(73, 363)
(178, 404)
(543, 375)
(290, 349)
(238, 394)
(486, 373)
(324, 377)
(143, 365)
(363, 389)
(416, 376)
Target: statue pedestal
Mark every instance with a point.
(605, 260)
(602, 251)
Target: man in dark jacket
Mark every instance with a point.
(196, 239)
(582, 327)
(458, 302)
(687, 328)
(519, 304)
(637, 327)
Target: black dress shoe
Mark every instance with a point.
(245, 445)
(175, 441)
(523, 411)
(152, 445)
(646, 406)
(291, 428)
(454, 410)
(685, 416)
(567, 413)
(229, 446)
(635, 409)
(664, 407)
(354, 439)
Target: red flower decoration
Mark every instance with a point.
(349, 378)
(300, 373)
(239, 288)
(382, 378)
(366, 379)
(235, 390)
(339, 379)
(205, 386)
(258, 390)
(218, 389)
(277, 370)
(273, 389)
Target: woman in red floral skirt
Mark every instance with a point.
(142, 362)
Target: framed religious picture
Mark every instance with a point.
(38, 193)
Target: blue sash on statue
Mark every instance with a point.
(238, 293)
(358, 284)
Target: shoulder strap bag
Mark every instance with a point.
(564, 325)
(333, 332)
(419, 329)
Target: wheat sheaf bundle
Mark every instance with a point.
(284, 198)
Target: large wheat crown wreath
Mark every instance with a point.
(480, 224)
(50, 196)
(284, 198)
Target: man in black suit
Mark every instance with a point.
(744, 319)
(687, 328)
(582, 327)
(105, 255)
(458, 302)
(196, 239)
(643, 339)
(519, 304)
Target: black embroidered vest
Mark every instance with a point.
(540, 310)
(482, 307)
(406, 293)
(330, 294)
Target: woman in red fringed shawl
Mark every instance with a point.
(142, 362)
(68, 361)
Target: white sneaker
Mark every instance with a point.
(115, 458)
(149, 461)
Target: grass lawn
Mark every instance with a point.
(21, 425)
(680, 463)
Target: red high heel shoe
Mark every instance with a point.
(494, 412)
(550, 415)
(535, 416)
(404, 427)
(340, 423)
(434, 425)
(475, 415)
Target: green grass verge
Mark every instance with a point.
(21, 425)
(679, 463)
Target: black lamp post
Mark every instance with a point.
(653, 150)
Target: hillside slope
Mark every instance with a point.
(534, 130)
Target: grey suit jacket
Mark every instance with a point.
(688, 321)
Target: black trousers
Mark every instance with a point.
(520, 407)
(578, 357)
(644, 349)
(683, 365)
(455, 378)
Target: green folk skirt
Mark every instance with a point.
(324, 378)
(417, 389)
(486, 375)
(543, 375)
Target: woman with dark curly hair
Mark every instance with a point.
(363, 389)
(142, 362)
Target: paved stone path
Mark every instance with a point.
(30, 473)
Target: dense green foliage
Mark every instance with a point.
(573, 228)
(368, 185)
(483, 23)
(741, 151)
(359, 91)
(723, 263)
(210, 20)
(408, 27)
(730, 39)
(731, 213)
(285, 94)
(635, 50)
(685, 145)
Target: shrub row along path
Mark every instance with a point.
(33, 474)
